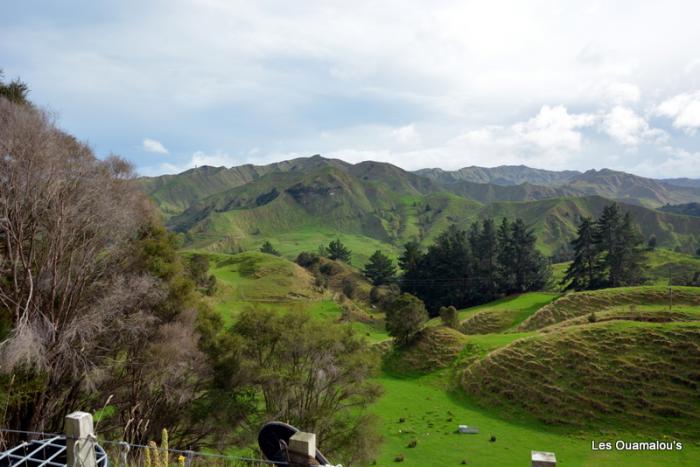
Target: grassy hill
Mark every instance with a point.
(574, 305)
(635, 376)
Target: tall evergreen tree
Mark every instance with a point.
(506, 278)
(631, 251)
(606, 239)
(582, 273)
(410, 263)
(447, 272)
(530, 268)
(486, 260)
(338, 251)
(380, 269)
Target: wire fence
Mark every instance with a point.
(119, 453)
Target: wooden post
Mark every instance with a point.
(302, 449)
(543, 459)
(80, 440)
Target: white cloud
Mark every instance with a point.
(154, 146)
(679, 163)
(407, 134)
(684, 109)
(622, 93)
(628, 128)
(554, 129)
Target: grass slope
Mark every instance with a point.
(501, 315)
(640, 377)
(577, 304)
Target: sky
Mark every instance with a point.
(173, 84)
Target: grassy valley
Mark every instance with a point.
(511, 370)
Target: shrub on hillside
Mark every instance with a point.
(405, 318)
(307, 259)
(449, 316)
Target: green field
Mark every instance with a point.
(426, 401)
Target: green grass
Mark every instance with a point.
(426, 400)
(506, 313)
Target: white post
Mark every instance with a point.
(543, 459)
(80, 440)
(302, 449)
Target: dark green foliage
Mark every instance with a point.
(337, 251)
(449, 317)
(608, 253)
(527, 267)
(269, 249)
(405, 318)
(467, 268)
(380, 269)
(582, 273)
(485, 250)
(306, 259)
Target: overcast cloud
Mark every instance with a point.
(549, 84)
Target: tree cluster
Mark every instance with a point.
(468, 267)
(294, 367)
(608, 252)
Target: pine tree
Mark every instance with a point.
(506, 277)
(631, 252)
(380, 269)
(338, 251)
(582, 272)
(530, 268)
(410, 262)
(606, 229)
(485, 252)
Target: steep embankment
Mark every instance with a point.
(641, 377)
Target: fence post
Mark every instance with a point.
(80, 440)
(302, 449)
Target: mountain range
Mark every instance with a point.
(301, 202)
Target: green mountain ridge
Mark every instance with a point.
(302, 202)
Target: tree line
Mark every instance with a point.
(608, 252)
(468, 267)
